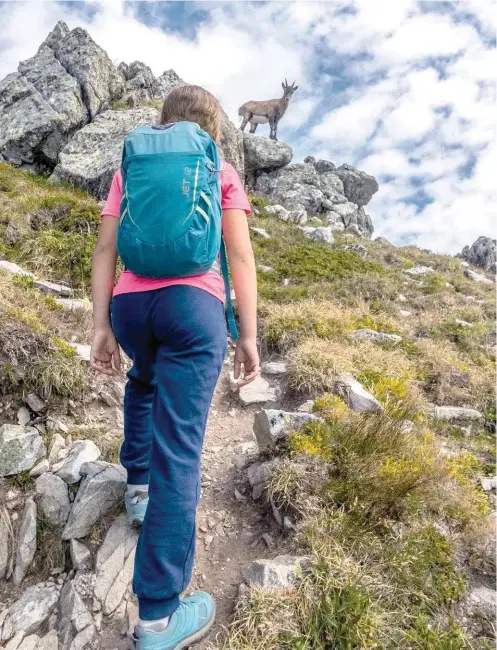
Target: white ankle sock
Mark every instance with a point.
(157, 626)
(133, 489)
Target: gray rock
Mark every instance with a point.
(86, 62)
(463, 323)
(20, 448)
(26, 541)
(278, 211)
(53, 289)
(264, 268)
(53, 498)
(356, 396)
(5, 542)
(371, 335)
(356, 248)
(324, 166)
(15, 643)
(282, 572)
(481, 254)
(359, 187)
(271, 425)
(263, 153)
(232, 145)
(258, 475)
(74, 303)
(297, 214)
(261, 232)
(30, 642)
(82, 451)
(84, 640)
(456, 413)
(477, 277)
(324, 234)
(80, 555)
(405, 313)
(257, 392)
(94, 153)
(23, 416)
(274, 367)
(40, 468)
(481, 604)
(49, 642)
(82, 351)
(58, 450)
(115, 562)
(14, 269)
(102, 488)
(488, 484)
(33, 608)
(73, 614)
(419, 270)
(35, 403)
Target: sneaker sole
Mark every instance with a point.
(198, 636)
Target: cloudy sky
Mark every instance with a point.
(402, 89)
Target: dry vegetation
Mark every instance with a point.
(389, 518)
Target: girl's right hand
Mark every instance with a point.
(105, 356)
(246, 355)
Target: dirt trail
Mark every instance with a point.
(230, 524)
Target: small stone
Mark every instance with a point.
(58, 450)
(354, 393)
(401, 298)
(274, 367)
(33, 608)
(26, 542)
(270, 425)
(257, 392)
(83, 641)
(265, 269)
(53, 498)
(306, 407)
(208, 541)
(80, 555)
(404, 313)
(261, 232)
(372, 335)
(23, 416)
(82, 451)
(5, 542)
(20, 448)
(14, 269)
(456, 413)
(35, 403)
(488, 484)
(39, 469)
(419, 270)
(268, 540)
(239, 497)
(51, 288)
(281, 572)
(324, 234)
(463, 323)
(477, 277)
(74, 303)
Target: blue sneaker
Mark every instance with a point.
(136, 507)
(188, 625)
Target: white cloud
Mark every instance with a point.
(406, 92)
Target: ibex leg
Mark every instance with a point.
(273, 125)
(253, 127)
(245, 121)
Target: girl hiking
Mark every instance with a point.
(165, 209)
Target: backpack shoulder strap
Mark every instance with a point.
(229, 304)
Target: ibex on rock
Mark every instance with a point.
(270, 111)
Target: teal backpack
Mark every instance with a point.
(170, 216)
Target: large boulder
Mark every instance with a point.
(20, 448)
(263, 153)
(481, 254)
(232, 145)
(26, 541)
(359, 187)
(90, 159)
(33, 608)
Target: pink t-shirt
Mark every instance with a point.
(232, 196)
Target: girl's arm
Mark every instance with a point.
(105, 355)
(243, 273)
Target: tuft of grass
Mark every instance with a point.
(23, 481)
(50, 549)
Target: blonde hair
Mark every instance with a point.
(193, 104)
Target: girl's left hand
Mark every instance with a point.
(105, 356)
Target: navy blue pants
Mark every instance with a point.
(176, 338)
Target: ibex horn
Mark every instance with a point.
(286, 82)
(293, 84)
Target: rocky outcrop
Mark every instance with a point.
(317, 187)
(481, 254)
(20, 448)
(263, 153)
